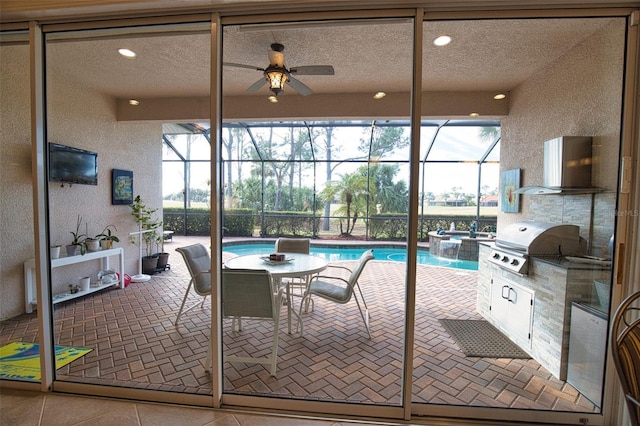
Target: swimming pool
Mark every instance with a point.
(332, 253)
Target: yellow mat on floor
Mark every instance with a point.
(21, 361)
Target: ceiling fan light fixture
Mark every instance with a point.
(379, 95)
(273, 99)
(276, 77)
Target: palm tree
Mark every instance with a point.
(352, 192)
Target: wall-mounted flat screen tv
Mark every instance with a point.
(72, 165)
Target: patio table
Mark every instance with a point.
(296, 265)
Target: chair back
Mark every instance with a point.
(292, 245)
(355, 274)
(247, 293)
(198, 262)
(625, 348)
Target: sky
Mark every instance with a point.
(452, 143)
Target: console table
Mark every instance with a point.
(30, 275)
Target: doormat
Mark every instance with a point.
(480, 338)
(21, 361)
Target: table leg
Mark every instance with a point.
(290, 308)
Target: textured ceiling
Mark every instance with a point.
(485, 55)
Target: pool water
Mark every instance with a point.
(333, 254)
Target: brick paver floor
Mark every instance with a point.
(137, 345)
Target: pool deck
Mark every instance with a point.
(137, 345)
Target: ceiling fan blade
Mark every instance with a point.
(299, 86)
(257, 85)
(313, 70)
(251, 67)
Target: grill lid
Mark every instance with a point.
(540, 238)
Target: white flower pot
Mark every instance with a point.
(84, 283)
(93, 245)
(55, 252)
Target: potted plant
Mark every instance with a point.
(163, 257)
(107, 238)
(79, 240)
(93, 244)
(149, 228)
(55, 251)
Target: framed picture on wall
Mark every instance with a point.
(510, 201)
(122, 187)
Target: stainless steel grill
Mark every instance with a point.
(518, 241)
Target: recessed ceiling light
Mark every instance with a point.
(379, 95)
(273, 99)
(134, 102)
(499, 96)
(474, 114)
(443, 40)
(127, 53)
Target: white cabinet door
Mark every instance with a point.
(499, 306)
(512, 309)
(520, 314)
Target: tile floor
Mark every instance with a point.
(137, 345)
(26, 408)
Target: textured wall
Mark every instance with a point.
(578, 95)
(16, 204)
(80, 118)
(85, 119)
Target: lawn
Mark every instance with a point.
(429, 210)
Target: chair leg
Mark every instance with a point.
(184, 300)
(233, 324)
(305, 300)
(204, 299)
(364, 315)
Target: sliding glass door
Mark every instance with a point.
(488, 69)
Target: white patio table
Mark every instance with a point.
(296, 265)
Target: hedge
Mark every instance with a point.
(242, 222)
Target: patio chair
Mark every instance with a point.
(198, 262)
(296, 245)
(340, 290)
(248, 293)
(625, 349)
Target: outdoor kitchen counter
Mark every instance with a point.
(554, 284)
(567, 262)
(564, 262)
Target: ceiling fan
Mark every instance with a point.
(277, 74)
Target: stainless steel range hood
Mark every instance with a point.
(566, 167)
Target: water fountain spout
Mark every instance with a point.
(472, 231)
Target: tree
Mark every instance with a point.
(234, 141)
(489, 134)
(389, 196)
(456, 193)
(384, 141)
(328, 149)
(352, 192)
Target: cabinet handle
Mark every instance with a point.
(508, 290)
(515, 293)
